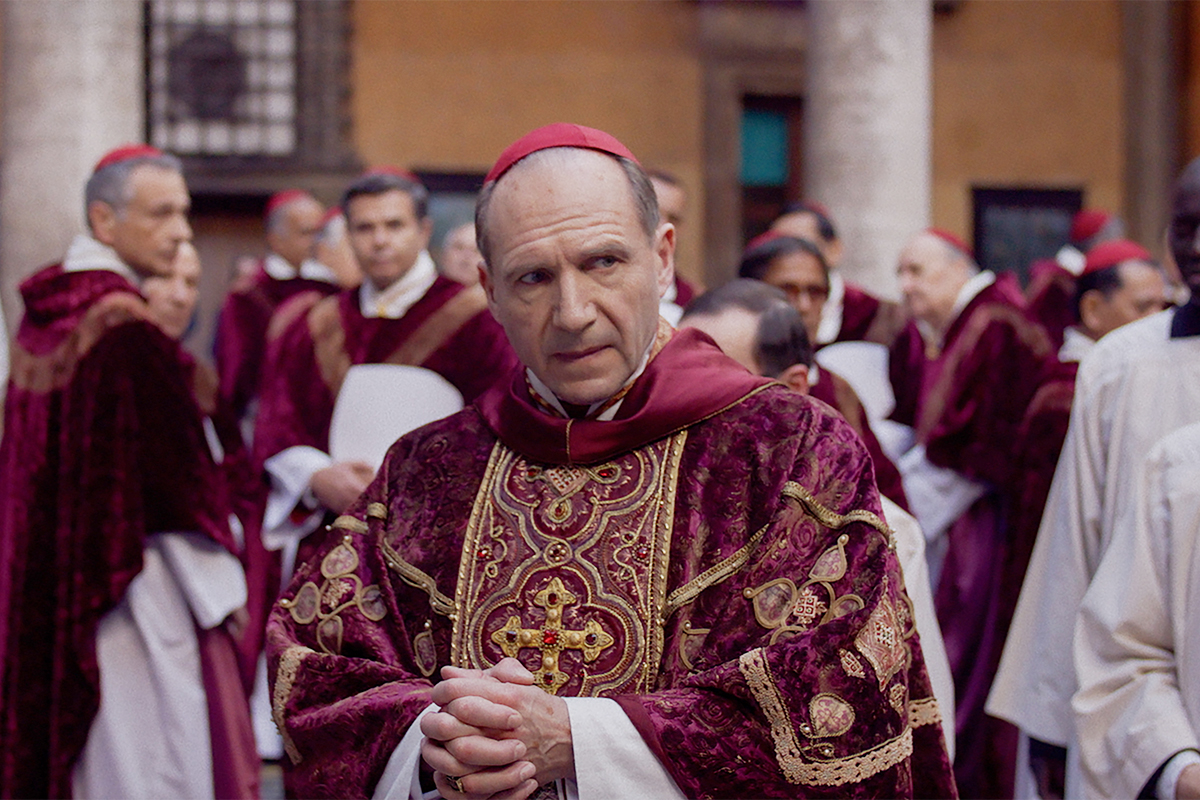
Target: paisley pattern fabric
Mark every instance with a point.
(676, 577)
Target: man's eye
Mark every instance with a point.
(605, 261)
(532, 278)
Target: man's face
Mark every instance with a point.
(573, 277)
(931, 277)
(296, 236)
(1142, 293)
(671, 200)
(1184, 233)
(147, 233)
(172, 298)
(803, 225)
(386, 235)
(806, 285)
(735, 330)
(460, 256)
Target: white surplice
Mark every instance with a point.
(1136, 385)
(1137, 641)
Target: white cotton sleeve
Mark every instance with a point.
(1168, 781)
(209, 576)
(936, 495)
(290, 471)
(401, 779)
(611, 758)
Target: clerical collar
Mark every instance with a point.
(831, 313)
(1070, 258)
(86, 253)
(395, 301)
(604, 410)
(280, 269)
(1075, 345)
(1186, 321)
(966, 294)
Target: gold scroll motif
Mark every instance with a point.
(824, 769)
(341, 591)
(780, 606)
(285, 678)
(882, 640)
(599, 535)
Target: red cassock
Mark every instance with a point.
(1051, 298)
(103, 445)
(712, 559)
(833, 390)
(966, 403)
(241, 340)
(866, 318)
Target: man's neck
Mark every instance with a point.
(86, 253)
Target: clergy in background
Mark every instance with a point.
(850, 313)
(1137, 384)
(632, 566)
(115, 542)
(293, 219)
(964, 371)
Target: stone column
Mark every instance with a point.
(867, 128)
(72, 89)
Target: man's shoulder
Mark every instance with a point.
(1144, 342)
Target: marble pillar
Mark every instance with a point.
(72, 89)
(867, 128)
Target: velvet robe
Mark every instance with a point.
(717, 557)
(866, 318)
(1051, 298)
(241, 339)
(966, 402)
(103, 444)
(833, 390)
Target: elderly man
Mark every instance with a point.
(964, 371)
(1136, 385)
(850, 313)
(293, 219)
(118, 566)
(460, 258)
(636, 568)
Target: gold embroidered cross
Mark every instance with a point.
(551, 638)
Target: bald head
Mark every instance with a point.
(932, 272)
(292, 228)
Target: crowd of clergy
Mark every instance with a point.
(177, 536)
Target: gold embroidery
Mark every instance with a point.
(855, 768)
(896, 697)
(712, 576)
(348, 523)
(285, 678)
(310, 602)
(688, 643)
(831, 566)
(852, 665)
(880, 639)
(754, 668)
(830, 715)
(552, 638)
(424, 651)
(377, 511)
(924, 712)
(440, 603)
(830, 518)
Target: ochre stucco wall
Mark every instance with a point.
(1026, 94)
(445, 85)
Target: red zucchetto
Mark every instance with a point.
(1109, 254)
(559, 134)
(127, 152)
(1087, 223)
(952, 240)
(282, 198)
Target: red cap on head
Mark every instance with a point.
(127, 152)
(952, 240)
(1087, 223)
(763, 238)
(282, 198)
(1109, 254)
(560, 134)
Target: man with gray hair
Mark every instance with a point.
(118, 576)
(631, 569)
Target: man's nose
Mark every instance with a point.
(576, 308)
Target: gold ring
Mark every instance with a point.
(455, 783)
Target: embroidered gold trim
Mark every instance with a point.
(712, 576)
(925, 711)
(440, 603)
(437, 329)
(377, 511)
(836, 772)
(830, 518)
(289, 665)
(426, 666)
(754, 669)
(349, 523)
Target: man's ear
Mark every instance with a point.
(795, 378)
(1089, 310)
(664, 251)
(489, 286)
(833, 252)
(102, 219)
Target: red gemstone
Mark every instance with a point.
(590, 639)
(642, 552)
(511, 635)
(484, 552)
(549, 637)
(548, 678)
(552, 598)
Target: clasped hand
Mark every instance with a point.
(497, 733)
